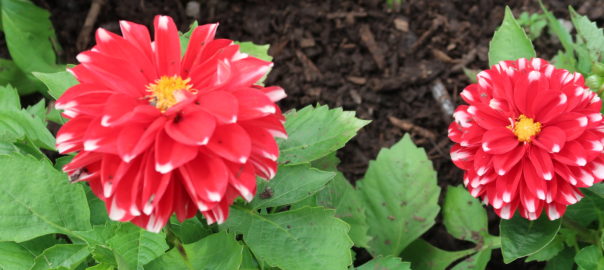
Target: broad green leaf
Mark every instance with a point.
(248, 262)
(548, 252)
(15, 257)
(401, 197)
(190, 230)
(57, 82)
(509, 41)
(305, 238)
(587, 210)
(38, 111)
(589, 34)
(101, 266)
(11, 74)
(185, 37)
(340, 195)
(521, 237)
(557, 29)
(98, 211)
(135, 247)
(562, 261)
(290, 185)
(255, 50)
(19, 124)
(217, 251)
(477, 261)
(385, 263)
(37, 245)
(41, 197)
(29, 36)
(315, 132)
(63, 256)
(9, 97)
(424, 256)
(590, 258)
(463, 215)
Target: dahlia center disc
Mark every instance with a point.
(525, 128)
(166, 91)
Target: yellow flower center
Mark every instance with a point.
(525, 128)
(164, 92)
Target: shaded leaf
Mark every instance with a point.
(9, 97)
(315, 132)
(424, 256)
(562, 261)
(477, 261)
(15, 257)
(401, 197)
(589, 34)
(135, 247)
(463, 215)
(290, 185)
(296, 239)
(63, 256)
(521, 237)
(216, 251)
(385, 263)
(509, 41)
(58, 207)
(57, 83)
(590, 258)
(548, 252)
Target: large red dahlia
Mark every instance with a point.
(157, 134)
(531, 135)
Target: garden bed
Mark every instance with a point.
(355, 54)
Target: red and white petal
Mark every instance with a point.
(220, 104)
(231, 142)
(499, 141)
(192, 127)
(170, 154)
(274, 93)
(572, 154)
(207, 176)
(503, 163)
(551, 139)
(542, 162)
(167, 46)
(253, 104)
(573, 124)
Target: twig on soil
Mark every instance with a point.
(465, 60)
(93, 13)
(441, 96)
(311, 71)
(437, 22)
(374, 49)
(408, 126)
(442, 56)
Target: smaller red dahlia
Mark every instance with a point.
(156, 133)
(531, 136)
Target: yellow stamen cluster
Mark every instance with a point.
(525, 128)
(162, 91)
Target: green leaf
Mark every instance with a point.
(217, 251)
(477, 261)
(521, 237)
(340, 195)
(41, 197)
(61, 256)
(562, 261)
(588, 209)
(296, 239)
(258, 51)
(590, 258)
(190, 230)
(11, 74)
(424, 256)
(248, 262)
(101, 266)
(9, 97)
(38, 111)
(185, 37)
(509, 41)
(315, 132)
(135, 247)
(15, 257)
(19, 124)
(290, 185)
(57, 82)
(29, 36)
(401, 197)
(463, 215)
(589, 34)
(385, 263)
(557, 29)
(548, 252)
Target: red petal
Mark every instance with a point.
(572, 154)
(153, 185)
(170, 154)
(147, 138)
(208, 176)
(503, 163)
(573, 124)
(231, 142)
(499, 141)
(486, 117)
(253, 104)
(462, 157)
(274, 93)
(248, 71)
(550, 139)
(535, 183)
(243, 179)
(138, 36)
(263, 143)
(70, 136)
(192, 127)
(549, 106)
(201, 36)
(115, 46)
(220, 104)
(167, 46)
(542, 163)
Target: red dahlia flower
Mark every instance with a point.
(157, 134)
(531, 135)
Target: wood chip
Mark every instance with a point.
(401, 24)
(408, 126)
(443, 98)
(374, 49)
(307, 42)
(356, 97)
(442, 56)
(357, 80)
(311, 71)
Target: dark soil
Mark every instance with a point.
(358, 55)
